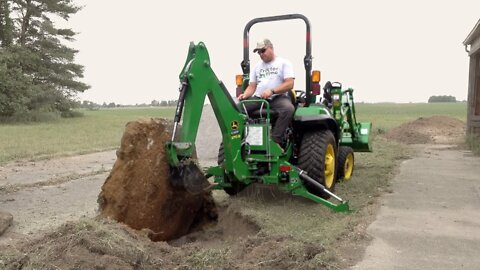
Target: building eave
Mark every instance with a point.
(474, 34)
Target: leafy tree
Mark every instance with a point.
(38, 69)
(6, 24)
(15, 88)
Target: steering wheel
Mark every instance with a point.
(301, 95)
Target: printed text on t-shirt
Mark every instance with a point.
(264, 73)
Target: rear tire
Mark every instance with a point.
(317, 157)
(236, 186)
(346, 163)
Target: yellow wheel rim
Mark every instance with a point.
(348, 167)
(329, 166)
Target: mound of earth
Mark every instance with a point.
(139, 193)
(236, 242)
(429, 130)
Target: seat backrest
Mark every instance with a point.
(293, 96)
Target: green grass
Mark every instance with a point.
(96, 131)
(308, 221)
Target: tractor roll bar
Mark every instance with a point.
(307, 60)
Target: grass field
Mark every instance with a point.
(102, 129)
(96, 131)
(388, 115)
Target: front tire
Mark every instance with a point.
(346, 163)
(317, 157)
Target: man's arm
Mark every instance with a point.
(286, 86)
(249, 91)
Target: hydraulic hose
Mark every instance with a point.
(180, 103)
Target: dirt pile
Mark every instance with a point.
(429, 130)
(236, 242)
(84, 244)
(138, 191)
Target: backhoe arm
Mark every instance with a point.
(198, 81)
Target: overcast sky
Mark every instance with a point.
(388, 51)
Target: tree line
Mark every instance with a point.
(38, 72)
(444, 98)
(155, 103)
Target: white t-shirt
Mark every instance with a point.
(270, 75)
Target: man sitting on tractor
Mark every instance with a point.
(271, 79)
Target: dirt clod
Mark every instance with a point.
(6, 220)
(429, 130)
(138, 191)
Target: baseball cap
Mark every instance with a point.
(262, 44)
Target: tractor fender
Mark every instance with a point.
(312, 118)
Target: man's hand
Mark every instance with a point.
(248, 92)
(267, 93)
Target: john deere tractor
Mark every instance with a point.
(319, 144)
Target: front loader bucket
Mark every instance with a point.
(363, 144)
(362, 140)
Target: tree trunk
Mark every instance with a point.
(26, 22)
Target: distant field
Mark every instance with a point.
(386, 115)
(102, 129)
(96, 131)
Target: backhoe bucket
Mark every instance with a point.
(188, 176)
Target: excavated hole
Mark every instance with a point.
(231, 226)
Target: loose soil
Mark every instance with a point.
(429, 130)
(57, 223)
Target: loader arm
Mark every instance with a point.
(353, 134)
(197, 82)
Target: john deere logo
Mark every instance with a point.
(234, 125)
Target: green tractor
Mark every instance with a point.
(319, 143)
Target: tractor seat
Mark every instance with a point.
(263, 113)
